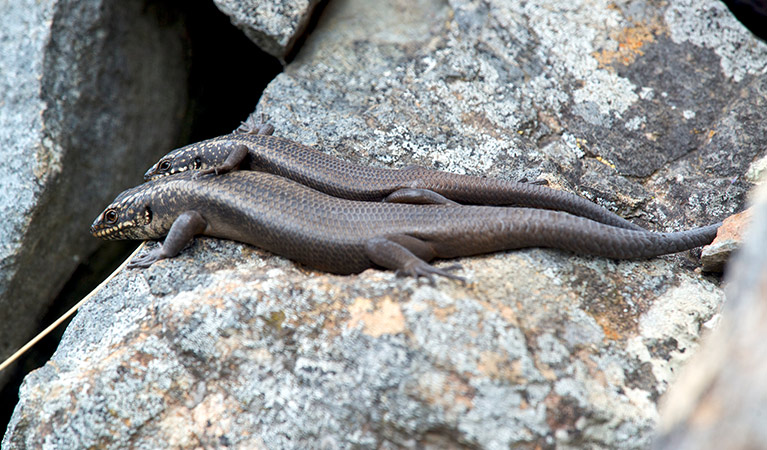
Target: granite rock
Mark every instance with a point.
(722, 389)
(86, 90)
(227, 345)
(729, 238)
(649, 111)
(274, 26)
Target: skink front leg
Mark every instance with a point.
(400, 256)
(184, 228)
(232, 161)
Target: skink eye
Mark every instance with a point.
(197, 163)
(110, 216)
(164, 166)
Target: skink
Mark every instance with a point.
(347, 236)
(257, 150)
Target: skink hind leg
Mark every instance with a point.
(401, 256)
(418, 197)
(249, 127)
(537, 182)
(184, 228)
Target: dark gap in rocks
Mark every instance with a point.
(227, 74)
(307, 31)
(752, 14)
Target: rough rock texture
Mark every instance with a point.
(275, 26)
(86, 90)
(729, 238)
(720, 398)
(227, 345)
(652, 111)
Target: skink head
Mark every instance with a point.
(129, 217)
(199, 156)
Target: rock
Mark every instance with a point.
(722, 389)
(752, 13)
(729, 238)
(248, 350)
(650, 111)
(273, 26)
(87, 90)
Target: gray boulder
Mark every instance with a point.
(274, 26)
(88, 91)
(722, 389)
(651, 112)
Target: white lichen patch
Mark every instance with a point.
(708, 23)
(679, 314)
(571, 36)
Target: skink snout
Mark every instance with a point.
(97, 225)
(150, 173)
(105, 223)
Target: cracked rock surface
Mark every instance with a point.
(86, 88)
(652, 112)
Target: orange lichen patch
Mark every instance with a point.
(509, 315)
(444, 313)
(449, 392)
(210, 419)
(498, 366)
(609, 327)
(551, 121)
(384, 318)
(221, 288)
(143, 358)
(545, 370)
(212, 295)
(630, 42)
(562, 413)
(616, 311)
(331, 312)
(734, 227)
(595, 372)
(215, 405)
(481, 122)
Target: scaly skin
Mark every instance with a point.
(343, 179)
(346, 236)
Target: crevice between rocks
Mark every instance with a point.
(226, 75)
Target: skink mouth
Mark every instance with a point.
(115, 232)
(99, 232)
(152, 174)
(109, 234)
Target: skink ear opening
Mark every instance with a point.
(197, 163)
(147, 214)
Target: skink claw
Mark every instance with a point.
(201, 173)
(146, 260)
(425, 270)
